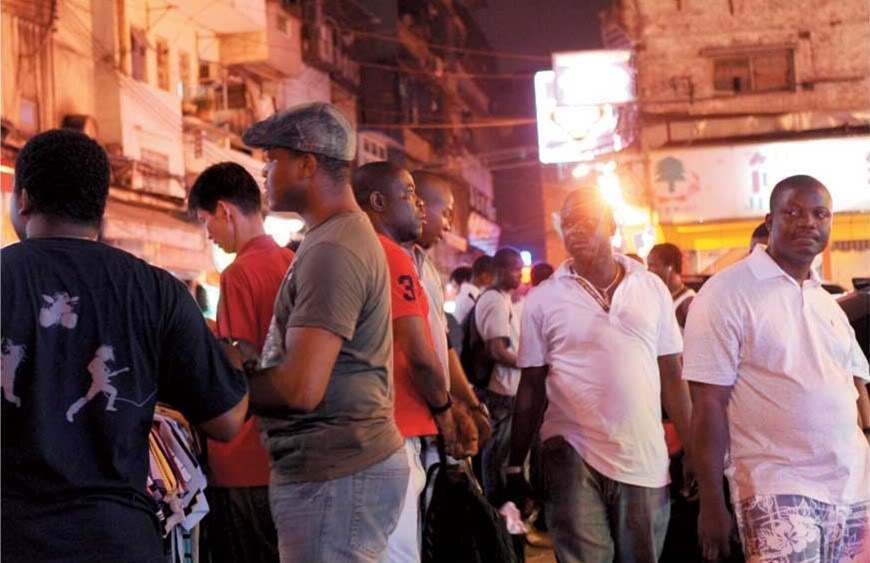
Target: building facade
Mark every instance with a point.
(734, 95)
(168, 89)
(420, 83)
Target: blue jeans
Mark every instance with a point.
(343, 520)
(494, 453)
(594, 519)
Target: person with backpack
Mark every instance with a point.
(482, 276)
(498, 328)
(423, 407)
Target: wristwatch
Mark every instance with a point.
(481, 408)
(443, 408)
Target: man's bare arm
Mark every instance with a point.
(531, 399)
(497, 348)
(863, 403)
(299, 382)
(709, 443)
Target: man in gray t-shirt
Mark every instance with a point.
(324, 385)
(338, 282)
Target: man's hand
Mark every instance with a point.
(690, 480)
(447, 429)
(714, 531)
(467, 436)
(233, 353)
(483, 423)
(520, 493)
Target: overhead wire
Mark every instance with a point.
(493, 53)
(367, 64)
(148, 99)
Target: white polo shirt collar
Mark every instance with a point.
(764, 267)
(632, 267)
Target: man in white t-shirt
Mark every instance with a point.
(482, 276)
(499, 328)
(666, 261)
(777, 379)
(600, 351)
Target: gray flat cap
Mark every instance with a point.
(315, 127)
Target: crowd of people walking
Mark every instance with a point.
(334, 381)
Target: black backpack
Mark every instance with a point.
(475, 360)
(459, 524)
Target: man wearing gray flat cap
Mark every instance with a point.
(323, 387)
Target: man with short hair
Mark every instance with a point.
(325, 390)
(541, 272)
(482, 276)
(226, 199)
(778, 381)
(600, 350)
(92, 338)
(759, 236)
(666, 261)
(435, 191)
(499, 328)
(423, 406)
(460, 275)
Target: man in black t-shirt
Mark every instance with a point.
(92, 338)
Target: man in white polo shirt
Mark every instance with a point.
(777, 379)
(482, 276)
(600, 342)
(499, 328)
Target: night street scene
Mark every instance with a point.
(435, 281)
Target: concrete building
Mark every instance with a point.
(420, 83)
(167, 88)
(734, 95)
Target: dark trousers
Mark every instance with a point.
(594, 519)
(494, 453)
(239, 527)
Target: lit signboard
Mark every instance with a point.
(729, 182)
(585, 78)
(578, 105)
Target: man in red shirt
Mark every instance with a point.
(423, 406)
(226, 199)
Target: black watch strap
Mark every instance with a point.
(443, 408)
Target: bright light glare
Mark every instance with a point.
(611, 191)
(594, 77)
(450, 307)
(282, 229)
(616, 239)
(647, 241)
(220, 258)
(527, 257)
(580, 171)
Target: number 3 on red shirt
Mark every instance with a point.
(407, 283)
